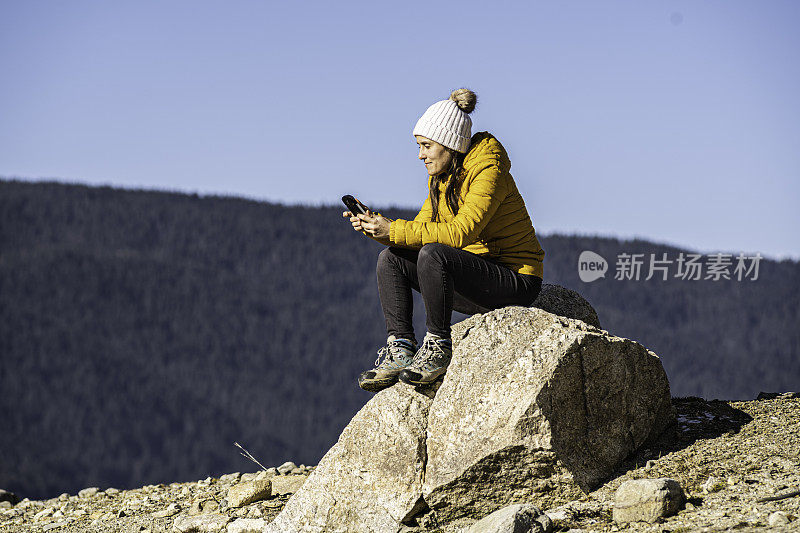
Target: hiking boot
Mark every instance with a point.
(430, 361)
(397, 355)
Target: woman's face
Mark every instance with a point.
(435, 156)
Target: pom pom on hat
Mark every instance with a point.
(447, 122)
(464, 99)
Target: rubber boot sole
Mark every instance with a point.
(376, 385)
(419, 380)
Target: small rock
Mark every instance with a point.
(196, 507)
(203, 505)
(286, 467)
(773, 395)
(712, 484)
(248, 492)
(111, 491)
(562, 513)
(6, 496)
(171, 510)
(650, 464)
(778, 518)
(88, 492)
(5, 505)
(647, 500)
(689, 506)
(209, 506)
(230, 478)
(247, 525)
(287, 484)
(272, 471)
(63, 497)
(44, 513)
(546, 522)
(517, 517)
(211, 523)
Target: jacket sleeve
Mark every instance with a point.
(425, 212)
(485, 194)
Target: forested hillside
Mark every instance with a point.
(142, 333)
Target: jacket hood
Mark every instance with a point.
(485, 150)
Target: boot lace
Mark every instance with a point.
(387, 353)
(431, 354)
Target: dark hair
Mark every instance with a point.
(454, 179)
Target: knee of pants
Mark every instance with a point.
(431, 255)
(385, 261)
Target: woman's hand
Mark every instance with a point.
(374, 225)
(355, 221)
(348, 214)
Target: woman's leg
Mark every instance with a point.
(444, 272)
(397, 275)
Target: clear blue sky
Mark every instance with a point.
(676, 121)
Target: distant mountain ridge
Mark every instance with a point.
(143, 332)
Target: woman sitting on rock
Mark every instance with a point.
(471, 248)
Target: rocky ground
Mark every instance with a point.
(728, 456)
(152, 508)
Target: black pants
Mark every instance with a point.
(448, 279)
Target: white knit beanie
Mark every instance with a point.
(447, 122)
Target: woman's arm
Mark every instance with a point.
(377, 229)
(373, 225)
(486, 192)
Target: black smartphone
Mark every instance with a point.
(354, 205)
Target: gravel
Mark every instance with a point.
(738, 462)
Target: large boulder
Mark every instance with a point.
(371, 479)
(534, 408)
(559, 301)
(565, 302)
(537, 408)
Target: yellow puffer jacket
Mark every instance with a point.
(492, 219)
